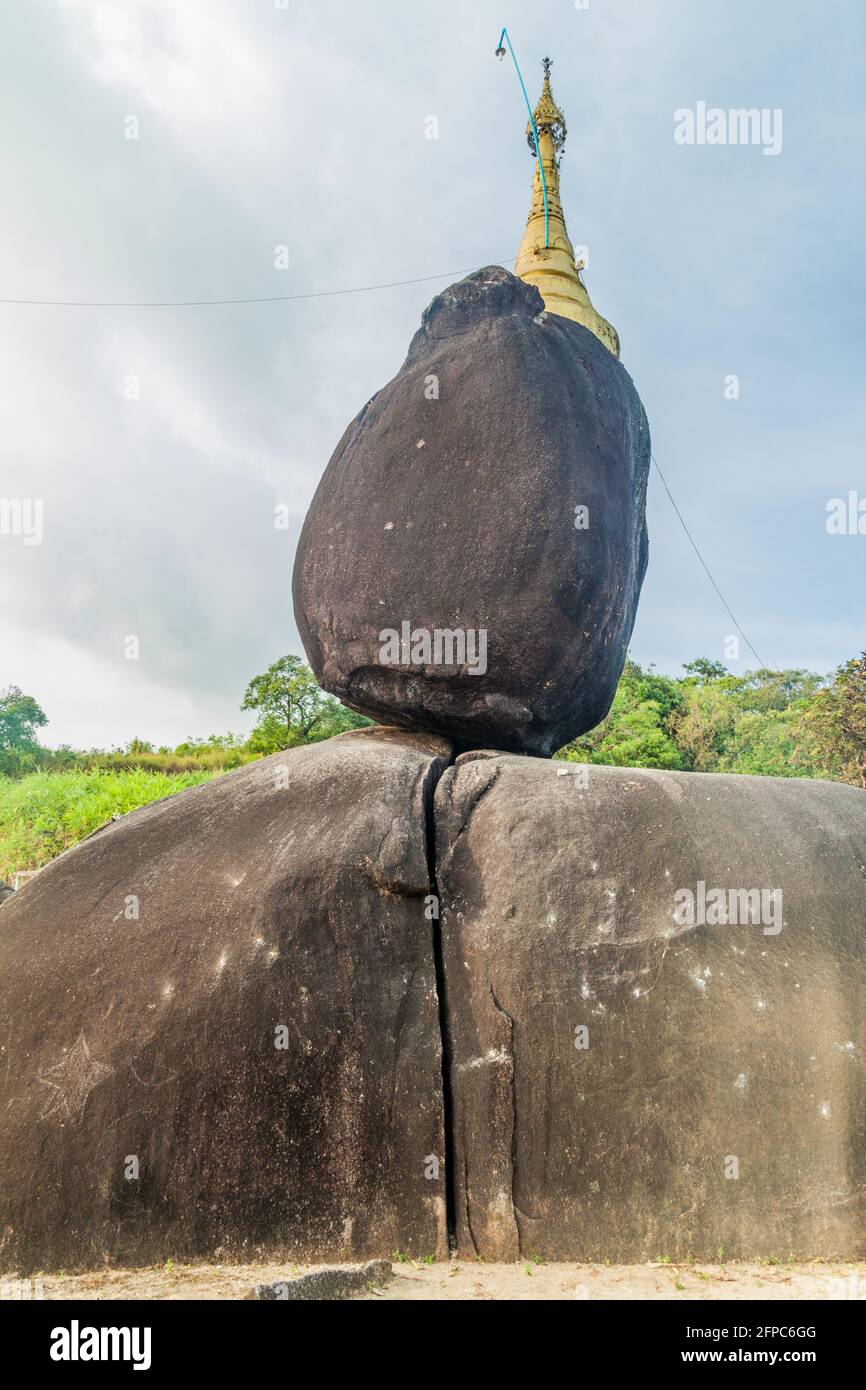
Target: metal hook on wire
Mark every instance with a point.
(500, 53)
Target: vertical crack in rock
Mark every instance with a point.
(312, 870)
(467, 1213)
(513, 1157)
(479, 1034)
(444, 1032)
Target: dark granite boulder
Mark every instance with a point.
(220, 1023)
(222, 1017)
(487, 508)
(633, 1076)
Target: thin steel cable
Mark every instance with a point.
(260, 299)
(706, 567)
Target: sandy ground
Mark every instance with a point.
(459, 1279)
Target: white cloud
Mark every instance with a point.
(307, 127)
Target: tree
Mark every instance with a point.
(706, 725)
(850, 688)
(771, 723)
(20, 717)
(703, 671)
(636, 731)
(835, 723)
(766, 744)
(224, 743)
(138, 745)
(764, 690)
(292, 709)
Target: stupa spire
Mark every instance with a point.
(546, 255)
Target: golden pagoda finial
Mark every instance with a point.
(547, 115)
(546, 255)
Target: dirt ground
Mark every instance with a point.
(462, 1280)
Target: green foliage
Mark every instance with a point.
(834, 723)
(788, 723)
(776, 723)
(45, 813)
(292, 709)
(216, 753)
(778, 690)
(190, 759)
(20, 717)
(52, 798)
(703, 670)
(637, 731)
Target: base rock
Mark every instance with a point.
(146, 980)
(718, 1098)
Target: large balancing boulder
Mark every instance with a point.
(656, 1002)
(472, 559)
(220, 1023)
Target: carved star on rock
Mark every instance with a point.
(70, 1081)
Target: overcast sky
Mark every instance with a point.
(307, 126)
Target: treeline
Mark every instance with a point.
(290, 709)
(773, 723)
(50, 799)
(777, 723)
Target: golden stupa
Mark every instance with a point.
(551, 268)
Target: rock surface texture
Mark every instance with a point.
(286, 896)
(452, 505)
(246, 990)
(718, 1097)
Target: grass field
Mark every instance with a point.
(45, 813)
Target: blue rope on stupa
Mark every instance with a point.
(500, 51)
